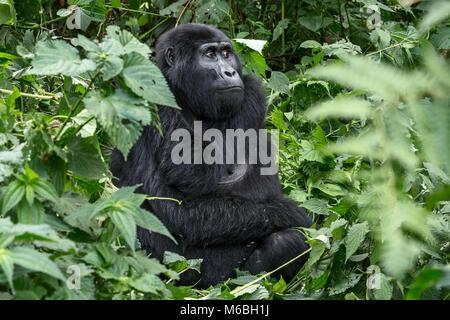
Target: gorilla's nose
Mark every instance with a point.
(230, 73)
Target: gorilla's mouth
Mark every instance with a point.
(230, 88)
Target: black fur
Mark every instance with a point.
(245, 225)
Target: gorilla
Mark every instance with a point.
(231, 215)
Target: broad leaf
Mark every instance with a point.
(58, 57)
(36, 261)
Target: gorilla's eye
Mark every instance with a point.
(210, 54)
(226, 53)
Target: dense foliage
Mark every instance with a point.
(359, 91)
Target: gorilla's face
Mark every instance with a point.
(219, 64)
(202, 70)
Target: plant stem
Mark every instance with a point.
(238, 289)
(74, 109)
(83, 124)
(153, 29)
(35, 96)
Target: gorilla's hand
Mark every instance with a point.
(277, 249)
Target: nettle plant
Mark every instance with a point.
(112, 84)
(383, 199)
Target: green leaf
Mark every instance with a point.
(112, 111)
(345, 282)
(58, 57)
(36, 261)
(317, 206)
(309, 152)
(148, 283)
(310, 44)
(384, 292)
(146, 80)
(279, 82)
(424, 280)
(129, 43)
(7, 12)
(150, 222)
(112, 66)
(346, 108)
(12, 195)
(257, 45)
(279, 29)
(30, 213)
(89, 128)
(7, 265)
(85, 159)
(126, 225)
(315, 23)
(355, 236)
(45, 189)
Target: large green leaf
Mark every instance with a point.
(59, 57)
(355, 236)
(7, 265)
(84, 158)
(125, 223)
(146, 80)
(112, 111)
(12, 195)
(36, 261)
(7, 11)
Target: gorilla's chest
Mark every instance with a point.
(235, 174)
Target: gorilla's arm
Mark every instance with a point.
(229, 219)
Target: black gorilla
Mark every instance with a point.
(232, 216)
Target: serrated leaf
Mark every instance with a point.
(126, 225)
(112, 111)
(7, 265)
(84, 158)
(45, 189)
(346, 108)
(112, 66)
(36, 261)
(317, 206)
(85, 43)
(58, 57)
(384, 292)
(127, 40)
(12, 195)
(30, 213)
(309, 152)
(148, 283)
(257, 45)
(89, 128)
(279, 82)
(355, 236)
(146, 80)
(148, 221)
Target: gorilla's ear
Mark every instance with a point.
(170, 56)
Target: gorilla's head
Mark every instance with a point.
(202, 70)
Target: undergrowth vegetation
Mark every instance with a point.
(359, 91)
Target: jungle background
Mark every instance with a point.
(359, 91)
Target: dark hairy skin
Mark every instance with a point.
(231, 216)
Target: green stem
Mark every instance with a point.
(153, 29)
(163, 198)
(238, 289)
(74, 109)
(83, 124)
(136, 11)
(29, 95)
